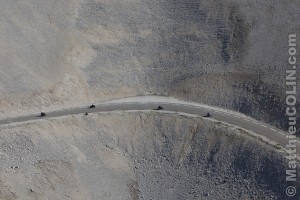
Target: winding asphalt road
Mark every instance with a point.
(173, 105)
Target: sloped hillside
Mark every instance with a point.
(62, 53)
(136, 156)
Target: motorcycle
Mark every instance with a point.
(158, 108)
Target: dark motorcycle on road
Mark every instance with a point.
(158, 108)
(207, 115)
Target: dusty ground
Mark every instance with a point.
(136, 156)
(56, 54)
(63, 53)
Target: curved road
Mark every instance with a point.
(174, 105)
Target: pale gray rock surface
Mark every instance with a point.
(63, 53)
(136, 156)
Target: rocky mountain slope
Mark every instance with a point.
(63, 53)
(136, 156)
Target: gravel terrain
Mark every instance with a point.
(136, 156)
(64, 53)
(60, 54)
